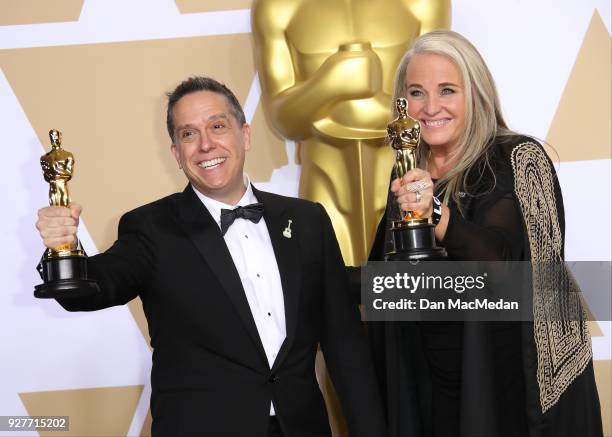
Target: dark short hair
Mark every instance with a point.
(201, 83)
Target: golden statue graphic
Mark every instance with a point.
(63, 268)
(404, 135)
(327, 69)
(57, 166)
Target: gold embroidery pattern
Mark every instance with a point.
(562, 341)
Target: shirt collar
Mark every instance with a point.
(214, 206)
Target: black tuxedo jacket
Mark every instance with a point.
(210, 374)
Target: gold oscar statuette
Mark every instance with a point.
(413, 236)
(64, 268)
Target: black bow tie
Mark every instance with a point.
(252, 212)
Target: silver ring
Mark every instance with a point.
(418, 196)
(417, 186)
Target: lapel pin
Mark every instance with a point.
(287, 231)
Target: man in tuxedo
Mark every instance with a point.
(238, 287)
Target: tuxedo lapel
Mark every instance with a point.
(286, 251)
(206, 235)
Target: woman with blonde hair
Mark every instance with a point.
(501, 201)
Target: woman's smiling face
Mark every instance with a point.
(436, 99)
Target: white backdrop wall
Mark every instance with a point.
(97, 365)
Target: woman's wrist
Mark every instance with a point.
(436, 212)
(442, 225)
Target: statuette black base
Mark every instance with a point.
(65, 277)
(415, 243)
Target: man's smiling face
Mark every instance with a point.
(210, 144)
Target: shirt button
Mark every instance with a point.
(258, 275)
(269, 314)
(246, 236)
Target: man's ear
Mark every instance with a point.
(246, 136)
(176, 154)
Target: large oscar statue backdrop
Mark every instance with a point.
(326, 70)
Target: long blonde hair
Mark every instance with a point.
(483, 117)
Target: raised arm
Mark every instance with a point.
(121, 271)
(494, 233)
(490, 227)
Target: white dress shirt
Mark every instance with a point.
(251, 249)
